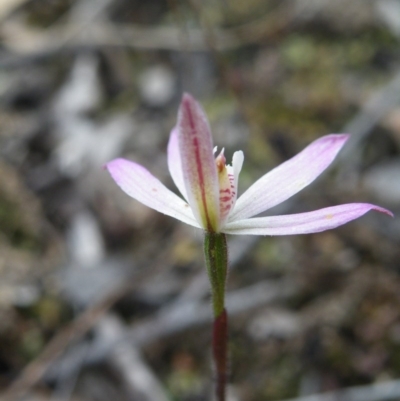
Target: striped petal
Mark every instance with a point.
(198, 165)
(288, 178)
(302, 223)
(141, 185)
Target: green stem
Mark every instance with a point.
(216, 255)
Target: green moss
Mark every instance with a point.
(269, 255)
(316, 51)
(50, 312)
(13, 227)
(219, 106)
(275, 114)
(32, 343)
(394, 357)
(183, 383)
(283, 380)
(299, 52)
(43, 13)
(338, 354)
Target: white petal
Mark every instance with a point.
(302, 223)
(288, 178)
(233, 171)
(175, 162)
(141, 185)
(237, 164)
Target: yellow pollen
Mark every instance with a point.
(220, 162)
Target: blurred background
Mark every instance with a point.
(102, 298)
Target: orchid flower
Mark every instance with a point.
(209, 201)
(209, 186)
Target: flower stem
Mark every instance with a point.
(216, 255)
(220, 346)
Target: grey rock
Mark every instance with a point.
(157, 85)
(274, 323)
(389, 11)
(81, 93)
(85, 241)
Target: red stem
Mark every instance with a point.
(220, 346)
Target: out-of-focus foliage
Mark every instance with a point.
(84, 81)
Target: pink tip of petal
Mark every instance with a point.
(187, 98)
(382, 210)
(345, 137)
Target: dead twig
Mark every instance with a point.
(379, 104)
(38, 368)
(91, 32)
(35, 370)
(8, 6)
(376, 392)
(137, 376)
(181, 317)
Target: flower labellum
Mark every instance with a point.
(209, 186)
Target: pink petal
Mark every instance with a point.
(288, 178)
(302, 223)
(175, 163)
(199, 169)
(138, 183)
